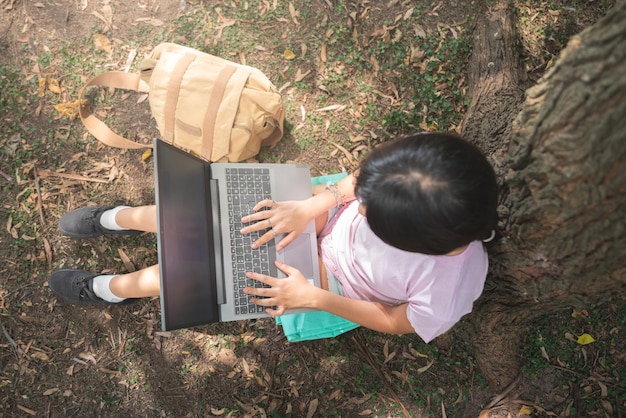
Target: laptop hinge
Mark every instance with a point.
(217, 240)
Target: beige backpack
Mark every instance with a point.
(211, 107)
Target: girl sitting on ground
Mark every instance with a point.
(400, 241)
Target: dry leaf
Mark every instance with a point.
(300, 76)
(127, 263)
(426, 367)
(102, 43)
(312, 408)
(69, 110)
(525, 410)
(336, 108)
(150, 20)
(51, 391)
(289, 55)
(607, 407)
(294, 14)
(88, 357)
(27, 410)
(417, 353)
(42, 87)
(40, 355)
(54, 86)
(419, 31)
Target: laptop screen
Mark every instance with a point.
(188, 282)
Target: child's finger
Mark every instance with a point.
(268, 280)
(275, 312)
(266, 203)
(286, 268)
(286, 241)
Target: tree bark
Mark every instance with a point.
(561, 160)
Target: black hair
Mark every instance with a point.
(429, 193)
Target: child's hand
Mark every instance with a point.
(292, 292)
(290, 218)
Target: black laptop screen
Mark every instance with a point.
(185, 239)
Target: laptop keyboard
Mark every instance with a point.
(245, 188)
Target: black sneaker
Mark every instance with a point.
(76, 287)
(85, 223)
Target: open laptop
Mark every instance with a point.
(202, 256)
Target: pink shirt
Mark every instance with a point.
(439, 289)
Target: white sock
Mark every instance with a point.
(107, 219)
(102, 290)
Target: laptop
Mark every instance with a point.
(202, 256)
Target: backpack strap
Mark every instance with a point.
(118, 80)
(217, 94)
(173, 92)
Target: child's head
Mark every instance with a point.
(430, 193)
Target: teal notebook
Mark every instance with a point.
(319, 324)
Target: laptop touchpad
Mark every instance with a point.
(298, 255)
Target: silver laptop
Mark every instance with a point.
(202, 256)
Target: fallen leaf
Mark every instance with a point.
(42, 87)
(88, 357)
(40, 355)
(48, 250)
(150, 20)
(336, 108)
(146, 154)
(27, 410)
(294, 14)
(127, 263)
(419, 31)
(300, 76)
(585, 339)
(54, 86)
(51, 391)
(417, 353)
(102, 43)
(70, 109)
(525, 410)
(426, 367)
(580, 314)
(289, 55)
(312, 408)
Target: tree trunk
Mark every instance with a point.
(561, 158)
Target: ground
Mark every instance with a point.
(352, 74)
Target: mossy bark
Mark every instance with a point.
(560, 153)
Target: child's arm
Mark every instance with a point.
(295, 292)
(292, 217)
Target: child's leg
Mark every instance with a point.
(138, 284)
(81, 287)
(140, 218)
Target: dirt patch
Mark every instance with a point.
(61, 360)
